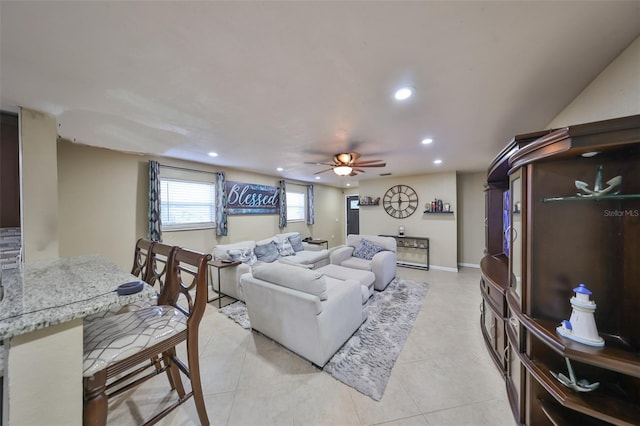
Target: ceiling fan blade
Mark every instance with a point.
(370, 165)
(322, 171)
(368, 162)
(358, 170)
(318, 164)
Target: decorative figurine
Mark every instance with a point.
(581, 327)
(598, 190)
(581, 385)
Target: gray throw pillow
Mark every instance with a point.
(267, 252)
(296, 242)
(366, 250)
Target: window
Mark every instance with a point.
(187, 204)
(296, 206)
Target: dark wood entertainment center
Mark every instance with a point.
(543, 238)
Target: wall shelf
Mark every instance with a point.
(430, 212)
(583, 198)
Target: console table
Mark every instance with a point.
(319, 243)
(218, 264)
(419, 244)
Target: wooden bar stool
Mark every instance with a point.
(118, 349)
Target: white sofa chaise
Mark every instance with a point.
(304, 310)
(311, 257)
(382, 263)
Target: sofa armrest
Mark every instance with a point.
(383, 265)
(230, 280)
(341, 254)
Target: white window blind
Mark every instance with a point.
(187, 204)
(296, 206)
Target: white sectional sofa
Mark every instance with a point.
(360, 253)
(310, 257)
(308, 312)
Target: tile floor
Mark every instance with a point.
(443, 376)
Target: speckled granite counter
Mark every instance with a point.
(56, 291)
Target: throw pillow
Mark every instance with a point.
(366, 250)
(284, 248)
(235, 254)
(267, 252)
(296, 242)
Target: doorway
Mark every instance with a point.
(352, 214)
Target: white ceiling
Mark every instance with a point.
(275, 84)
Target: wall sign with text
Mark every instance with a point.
(249, 198)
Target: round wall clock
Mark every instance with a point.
(400, 201)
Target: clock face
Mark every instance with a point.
(400, 201)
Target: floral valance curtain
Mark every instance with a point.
(221, 205)
(311, 217)
(155, 230)
(283, 204)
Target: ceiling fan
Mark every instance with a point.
(347, 164)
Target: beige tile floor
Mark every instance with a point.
(443, 376)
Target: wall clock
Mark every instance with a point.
(400, 201)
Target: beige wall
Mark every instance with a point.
(39, 189)
(103, 208)
(441, 229)
(614, 93)
(471, 201)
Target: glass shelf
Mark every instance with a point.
(602, 197)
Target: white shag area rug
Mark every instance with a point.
(365, 361)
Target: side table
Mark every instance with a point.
(319, 243)
(218, 264)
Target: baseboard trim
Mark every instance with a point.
(469, 265)
(443, 268)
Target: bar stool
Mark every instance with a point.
(119, 348)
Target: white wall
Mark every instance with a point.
(39, 189)
(440, 229)
(614, 93)
(471, 199)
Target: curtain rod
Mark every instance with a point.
(187, 170)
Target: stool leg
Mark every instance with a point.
(196, 384)
(94, 412)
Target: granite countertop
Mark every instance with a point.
(52, 292)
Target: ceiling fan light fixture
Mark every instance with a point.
(342, 170)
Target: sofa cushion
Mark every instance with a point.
(285, 248)
(357, 263)
(366, 250)
(309, 256)
(221, 251)
(267, 252)
(293, 277)
(296, 242)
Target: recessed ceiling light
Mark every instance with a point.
(213, 154)
(279, 169)
(590, 154)
(426, 141)
(438, 161)
(317, 177)
(403, 93)
(348, 184)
